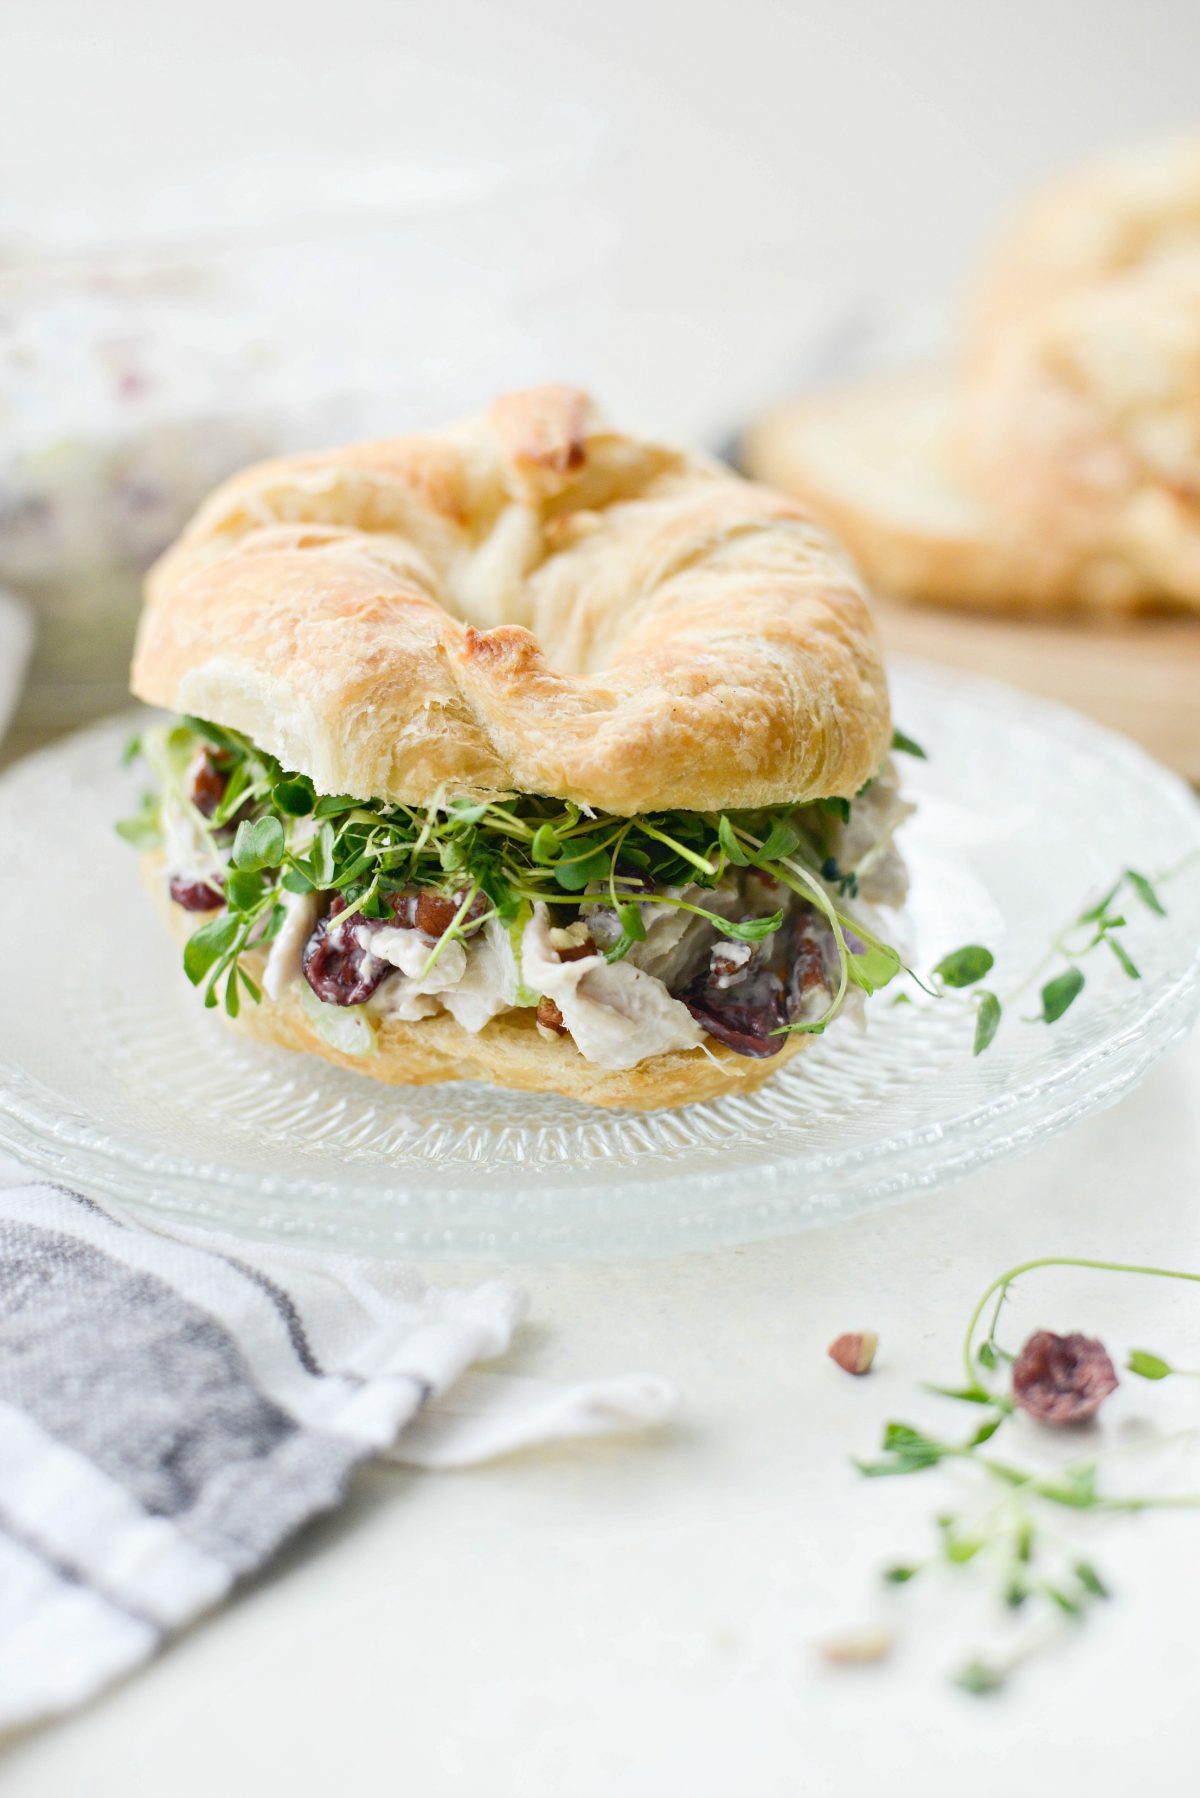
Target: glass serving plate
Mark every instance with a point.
(114, 1078)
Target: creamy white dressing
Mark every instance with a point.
(617, 1015)
(287, 949)
(865, 843)
(187, 852)
(491, 983)
(400, 999)
(676, 940)
(410, 951)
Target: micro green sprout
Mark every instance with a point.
(1097, 925)
(514, 851)
(1031, 1563)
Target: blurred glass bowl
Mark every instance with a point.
(131, 384)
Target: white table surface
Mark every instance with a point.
(640, 1618)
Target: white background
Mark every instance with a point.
(858, 142)
(684, 177)
(641, 1619)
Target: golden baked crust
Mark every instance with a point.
(508, 1052)
(529, 602)
(1030, 491)
(511, 1052)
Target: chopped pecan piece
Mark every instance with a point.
(854, 1351)
(729, 962)
(433, 913)
(550, 1018)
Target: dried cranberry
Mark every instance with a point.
(1062, 1379)
(195, 895)
(207, 782)
(747, 1023)
(338, 969)
(747, 1014)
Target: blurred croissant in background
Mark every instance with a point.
(1057, 463)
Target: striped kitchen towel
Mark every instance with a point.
(173, 1408)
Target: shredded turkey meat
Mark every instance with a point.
(616, 1013)
(684, 981)
(866, 841)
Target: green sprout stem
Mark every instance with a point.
(1057, 1491)
(1004, 1281)
(453, 929)
(1033, 1560)
(1061, 945)
(660, 836)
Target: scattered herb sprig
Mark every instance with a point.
(1098, 925)
(1030, 1565)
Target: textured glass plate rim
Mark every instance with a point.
(216, 1195)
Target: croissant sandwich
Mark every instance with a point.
(525, 752)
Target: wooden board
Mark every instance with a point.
(1141, 677)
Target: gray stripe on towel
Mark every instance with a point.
(118, 1365)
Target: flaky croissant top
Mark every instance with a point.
(1084, 428)
(1113, 216)
(529, 602)
(1079, 411)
